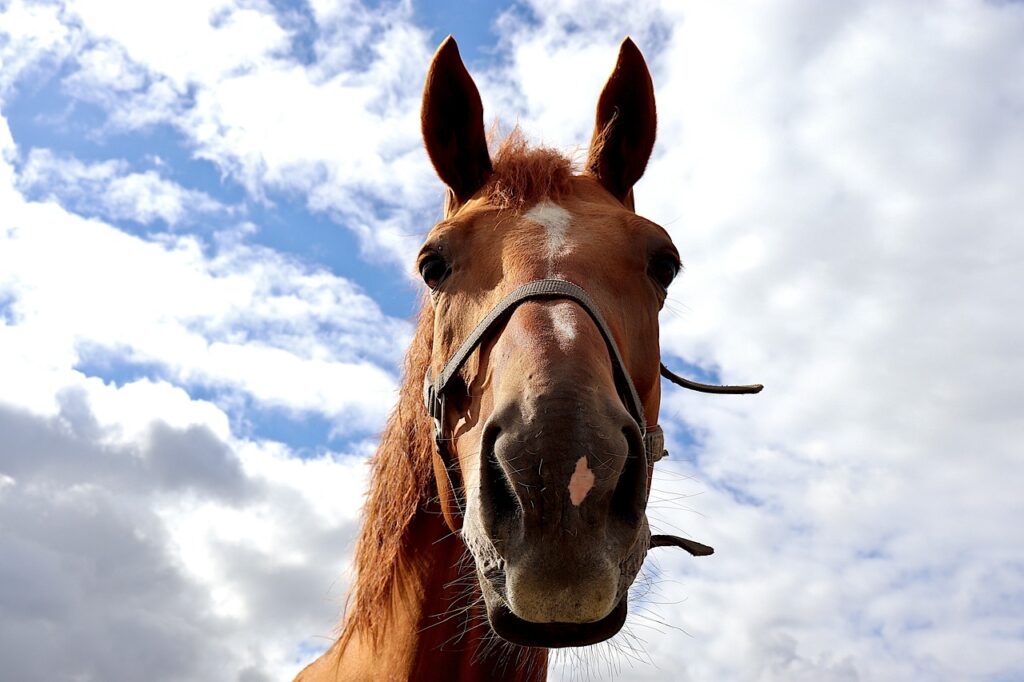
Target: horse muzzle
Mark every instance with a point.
(560, 509)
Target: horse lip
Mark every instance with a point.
(516, 630)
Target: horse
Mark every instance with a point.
(506, 513)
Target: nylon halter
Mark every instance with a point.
(653, 437)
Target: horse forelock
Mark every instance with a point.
(524, 175)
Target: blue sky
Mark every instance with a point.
(208, 212)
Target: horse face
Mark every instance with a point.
(554, 475)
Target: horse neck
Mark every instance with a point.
(437, 629)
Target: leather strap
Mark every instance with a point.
(541, 288)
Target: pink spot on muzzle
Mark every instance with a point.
(581, 482)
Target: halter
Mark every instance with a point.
(653, 437)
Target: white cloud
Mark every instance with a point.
(111, 190)
(243, 317)
(32, 37)
(247, 319)
(342, 131)
(223, 36)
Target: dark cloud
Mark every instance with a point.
(92, 586)
(69, 449)
(90, 590)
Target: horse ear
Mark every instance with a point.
(452, 119)
(625, 125)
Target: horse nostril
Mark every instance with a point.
(499, 505)
(629, 500)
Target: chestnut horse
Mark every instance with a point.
(510, 515)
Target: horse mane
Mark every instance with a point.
(402, 478)
(401, 482)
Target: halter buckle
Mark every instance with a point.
(654, 444)
(434, 403)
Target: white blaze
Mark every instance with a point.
(555, 221)
(563, 321)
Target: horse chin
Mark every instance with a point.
(516, 630)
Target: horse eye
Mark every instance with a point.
(663, 268)
(433, 269)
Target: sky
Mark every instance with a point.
(208, 212)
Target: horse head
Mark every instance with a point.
(538, 356)
(546, 286)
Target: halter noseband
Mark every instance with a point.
(653, 437)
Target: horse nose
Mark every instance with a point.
(562, 495)
(562, 460)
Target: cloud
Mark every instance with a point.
(141, 537)
(205, 313)
(110, 190)
(141, 551)
(34, 38)
(333, 122)
(843, 185)
(134, 522)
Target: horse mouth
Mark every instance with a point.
(516, 630)
(512, 628)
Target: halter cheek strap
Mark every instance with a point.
(654, 438)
